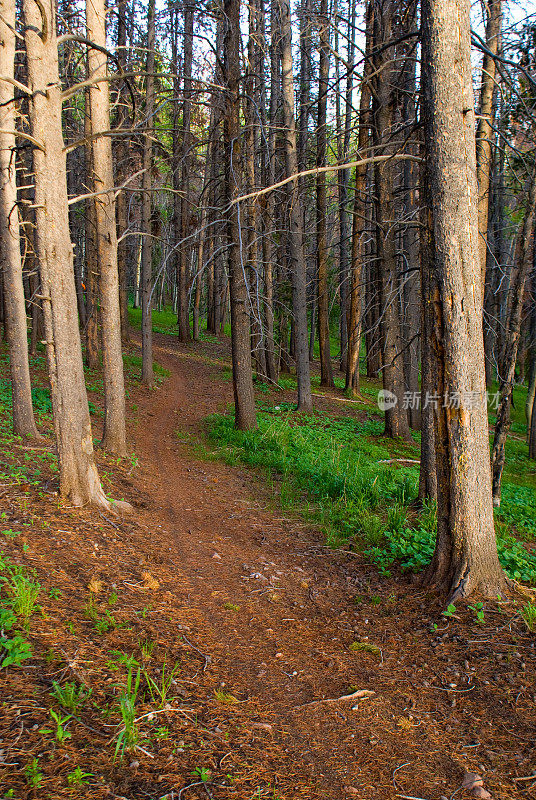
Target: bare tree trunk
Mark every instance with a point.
(114, 432)
(147, 375)
(185, 247)
(484, 130)
(10, 254)
(92, 264)
(465, 558)
(396, 420)
(343, 149)
(523, 261)
(245, 417)
(428, 466)
(296, 251)
(326, 372)
(359, 218)
(251, 116)
(79, 479)
(122, 164)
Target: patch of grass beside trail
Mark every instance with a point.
(343, 475)
(165, 321)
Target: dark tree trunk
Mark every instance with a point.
(10, 254)
(245, 417)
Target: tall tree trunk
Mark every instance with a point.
(296, 249)
(147, 375)
(396, 419)
(185, 248)
(10, 254)
(114, 432)
(359, 217)
(79, 479)
(343, 149)
(484, 130)
(245, 417)
(523, 261)
(92, 264)
(465, 558)
(428, 466)
(326, 372)
(122, 165)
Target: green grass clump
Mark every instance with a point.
(365, 647)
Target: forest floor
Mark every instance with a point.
(245, 632)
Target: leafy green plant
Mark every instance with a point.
(121, 659)
(78, 778)
(70, 696)
(451, 610)
(61, 732)
(14, 649)
(159, 688)
(231, 606)
(528, 612)
(129, 735)
(102, 621)
(34, 776)
(203, 773)
(478, 610)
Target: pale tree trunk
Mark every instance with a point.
(79, 479)
(267, 203)
(122, 167)
(147, 375)
(296, 248)
(359, 218)
(245, 417)
(523, 260)
(114, 431)
(326, 372)
(484, 131)
(465, 558)
(10, 253)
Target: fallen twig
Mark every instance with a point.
(359, 695)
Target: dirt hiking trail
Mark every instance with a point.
(274, 613)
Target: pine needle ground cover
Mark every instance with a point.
(341, 473)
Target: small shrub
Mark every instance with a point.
(528, 612)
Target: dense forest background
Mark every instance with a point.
(267, 399)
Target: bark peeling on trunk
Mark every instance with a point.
(79, 479)
(10, 254)
(114, 433)
(465, 558)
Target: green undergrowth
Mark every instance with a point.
(343, 475)
(165, 321)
